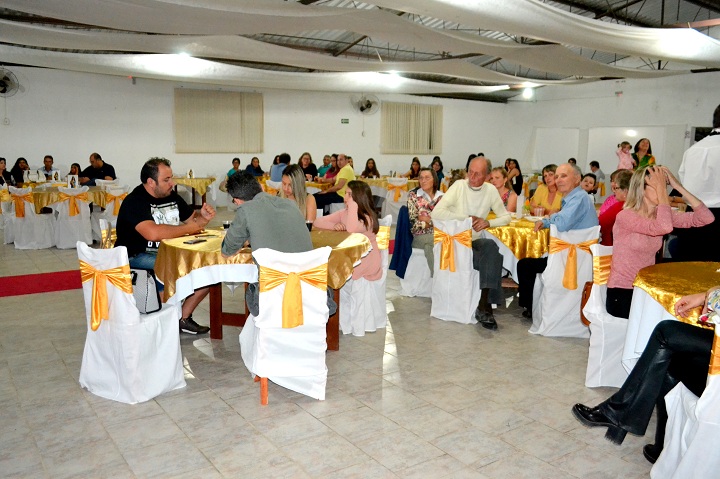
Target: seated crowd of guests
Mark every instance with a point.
(17, 175)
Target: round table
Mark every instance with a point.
(518, 240)
(656, 290)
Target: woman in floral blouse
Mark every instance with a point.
(421, 201)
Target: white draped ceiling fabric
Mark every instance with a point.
(142, 37)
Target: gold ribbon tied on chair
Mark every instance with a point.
(397, 190)
(292, 309)
(601, 188)
(383, 237)
(19, 201)
(447, 248)
(73, 209)
(271, 191)
(118, 277)
(601, 269)
(4, 195)
(109, 197)
(570, 275)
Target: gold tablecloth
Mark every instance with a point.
(383, 182)
(44, 197)
(198, 184)
(666, 283)
(521, 239)
(176, 259)
(320, 186)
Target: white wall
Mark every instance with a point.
(673, 103)
(70, 115)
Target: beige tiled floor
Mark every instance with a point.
(421, 399)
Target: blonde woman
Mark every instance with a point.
(547, 194)
(499, 179)
(639, 229)
(293, 188)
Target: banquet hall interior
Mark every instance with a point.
(421, 398)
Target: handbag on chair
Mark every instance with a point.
(147, 297)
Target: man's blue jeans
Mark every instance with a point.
(146, 261)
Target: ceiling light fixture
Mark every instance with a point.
(528, 93)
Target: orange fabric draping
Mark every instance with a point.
(447, 249)
(19, 201)
(73, 209)
(397, 190)
(601, 269)
(118, 277)
(109, 197)
(570, 275)
(383, 237)
(292, 309)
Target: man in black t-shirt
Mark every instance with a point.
(153, 212)
(98, 170)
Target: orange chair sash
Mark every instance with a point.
(398, 190)
(601, 269)
(570, 275)
(4, 195)
(292, 309)
(19, 201)
(447, 249)
(601, 187)
(271, 191)
(383, 237)
(118, 277)
(73, 209)
(109, 197)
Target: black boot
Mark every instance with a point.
(484, 313)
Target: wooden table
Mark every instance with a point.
(184, 268)
(199, 185)
(656, 290)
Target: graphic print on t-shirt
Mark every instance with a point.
(165, 214)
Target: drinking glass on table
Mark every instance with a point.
(538, 211)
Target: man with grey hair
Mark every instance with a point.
(475, 198)
(577, 212)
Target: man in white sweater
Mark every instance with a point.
(476, 198)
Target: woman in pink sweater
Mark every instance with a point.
(358, 217)
(640, 227)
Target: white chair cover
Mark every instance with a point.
(607, 332)
(6, 220)
(130, 358)
(556, 310)
(390, 205)
(109, 212)
(33, 231)
(417, 280)
(293, 358)
(693, 428)
(455, 295)
(105, 184)
(71, 229)
(311, 190)
(363, 304)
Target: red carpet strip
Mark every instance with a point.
(39, 283)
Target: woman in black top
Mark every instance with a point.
(18, 170)
(5, 176)
(514, 175)
(254, 167)
(307, 165)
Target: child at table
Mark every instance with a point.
(358, 217)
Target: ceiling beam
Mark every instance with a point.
(604, 12)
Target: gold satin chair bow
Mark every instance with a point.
(570, 275)
(383, 237)
(398, 190)
(19, 201)
(292, 309)
(601, 269)
(601, 186)
(73, 209)
(109, 197)
(118, 277)
(447, 249)
(4, 195)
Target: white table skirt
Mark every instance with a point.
(208, 275)
(645, 314)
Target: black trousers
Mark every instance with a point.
(676, 352)
(487, 260)
(527, 270)
(324, 200)
(618, 302)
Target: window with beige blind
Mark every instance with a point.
(209, 121)
(411, 128)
